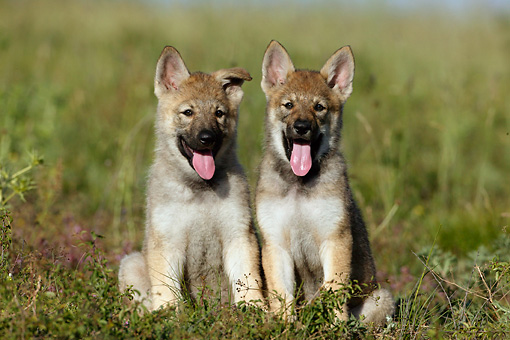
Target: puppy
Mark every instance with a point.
(199, 231)
(313, 232)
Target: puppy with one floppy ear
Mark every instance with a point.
(199, 232)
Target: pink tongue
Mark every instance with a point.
(301, 159)
(203, 162)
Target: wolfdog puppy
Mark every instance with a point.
(199, 231)
(314, 235)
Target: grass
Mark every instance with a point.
(426, 133)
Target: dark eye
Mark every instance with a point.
(318, 107)
(219, 113)
(288, 105)
(187, 112)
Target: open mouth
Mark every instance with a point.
(301, 153)
(201, 160)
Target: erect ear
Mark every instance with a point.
(339, 71)
(276, 66)
(232, 79)
(170, 71)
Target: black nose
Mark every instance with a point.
(207, 137)
(302, 126)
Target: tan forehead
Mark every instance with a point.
(201, 86)
(308, 83)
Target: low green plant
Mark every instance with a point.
(44, 298)
(6, 241)
(318, 317)
(17, 183)
(455, 297)
(12, 184)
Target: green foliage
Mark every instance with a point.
(85, 303)
(19, 182)
(6, 241)
(12, 185)
(465, 299)
(318, 318)
(48, 300)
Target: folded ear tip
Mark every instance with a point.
(232, 73)
(246, 75)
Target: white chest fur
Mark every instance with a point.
(198, 230)
(199, 215)
(298, 217)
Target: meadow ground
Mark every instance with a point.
(426, 135)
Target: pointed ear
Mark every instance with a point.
(276, 66)
(339, 71)
(170, 71)
(232, 79)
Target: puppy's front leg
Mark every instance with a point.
(336, 254)
(241, 258)
(165, 260)
(279, 271)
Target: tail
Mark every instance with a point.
(133, 273)
(376, 308)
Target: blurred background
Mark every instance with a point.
(426, 131)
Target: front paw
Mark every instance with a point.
(285, 309)
(255, 302)
(159, 301)
(341, 315)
